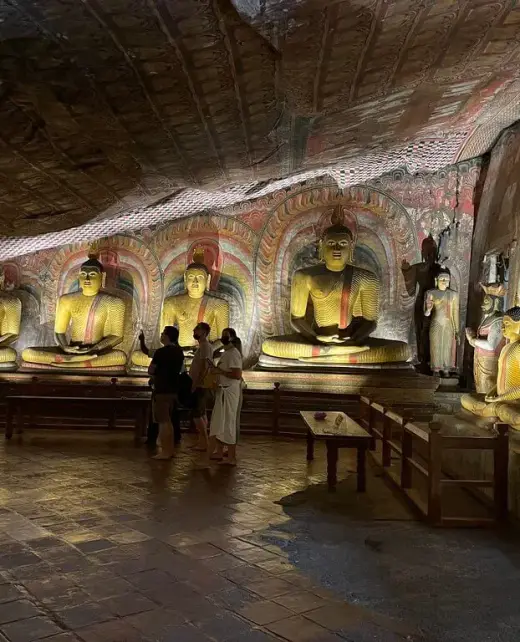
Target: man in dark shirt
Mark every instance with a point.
(165, 368)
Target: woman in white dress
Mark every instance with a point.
(223, 426)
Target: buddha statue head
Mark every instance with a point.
(197, 277)
(493, 297)
(443, 280)
(337, 247)
(91, 276)
(511, 324)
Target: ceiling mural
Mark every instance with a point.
(110, 109)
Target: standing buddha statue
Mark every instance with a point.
(345, 302)
(442, 304)
(185, 310)
(488, 341)
(94, 321)
(10, 320)
(503, 402)
(418, 279)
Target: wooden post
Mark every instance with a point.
(370, 427)
(310, 445)
(501, 472)
(386, 458)
(276, 408)
(406, 453)
(34, 391)
(112, 418)
(332, 464)
(434, 475)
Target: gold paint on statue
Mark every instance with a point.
(94, 321)
(345, 302)
(503, 402)
(10, 320)
(186, 310)
(488, 341)
(442, 304)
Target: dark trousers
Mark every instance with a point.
(153, 428)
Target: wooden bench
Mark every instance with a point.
(109, 408)
(408, 449)
(338, 430)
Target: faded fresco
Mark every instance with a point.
(252, 250)
(499, 208)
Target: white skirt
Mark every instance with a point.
(223, 424)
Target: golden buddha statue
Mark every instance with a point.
(93, 319)
(442, 304)
(10, 320)
(503, 402)
(345, 301)
(488, 341)
(185, 310)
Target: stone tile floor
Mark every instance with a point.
(101, 544)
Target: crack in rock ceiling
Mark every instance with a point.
(116, 114)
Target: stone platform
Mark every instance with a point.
(387, 386)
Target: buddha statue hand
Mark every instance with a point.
(77, 349)
(333, 338)
(73, 358)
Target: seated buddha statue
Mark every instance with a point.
(345, 302)
(93, 319)
(503, 402)
(185, 310)
(10, 319)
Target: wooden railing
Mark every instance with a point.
(419, 451)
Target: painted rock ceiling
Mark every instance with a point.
(111, 105)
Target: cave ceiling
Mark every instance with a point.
(110, 106)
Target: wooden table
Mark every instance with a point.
(347, 434)
(18, 406)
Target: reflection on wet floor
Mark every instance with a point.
(100, 543)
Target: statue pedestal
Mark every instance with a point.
(41, 368)
(396, 384)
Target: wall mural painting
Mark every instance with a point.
(238, 266)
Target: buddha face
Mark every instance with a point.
(336, 250)
(196, 281)
(443, 282)
(511, 329)
(90, 279)
(487, 304)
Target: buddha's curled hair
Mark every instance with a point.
(513, 313)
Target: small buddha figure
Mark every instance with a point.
(10, 319)
(503, 402)
(442, 304)
(93, 319)
(345, 302)
(185, 310)
(488, 341)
